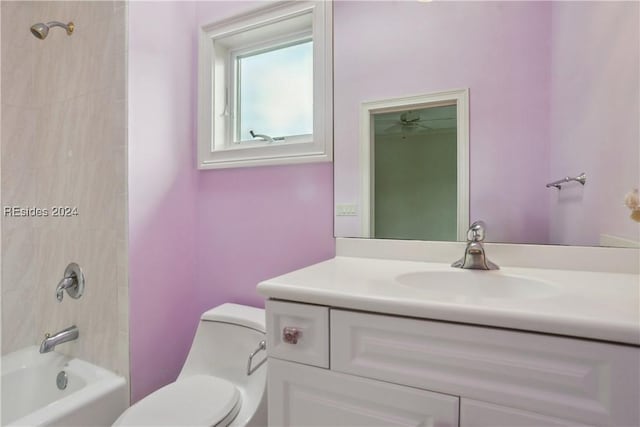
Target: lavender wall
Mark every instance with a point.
(595, 127)
(200, 238)
(499, 50)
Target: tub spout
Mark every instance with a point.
(51, 341)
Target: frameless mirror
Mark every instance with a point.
(552, 91)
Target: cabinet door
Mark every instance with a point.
(474, 413)
(592, 382)
(301, 395)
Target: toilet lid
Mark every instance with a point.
(198, 400)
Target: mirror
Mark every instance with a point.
(414, 154)
(553, 92)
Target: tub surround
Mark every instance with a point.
(64, 144)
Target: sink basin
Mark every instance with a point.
(476, 284)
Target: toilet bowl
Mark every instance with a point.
(214, 387)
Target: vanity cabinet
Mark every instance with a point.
(390, 370)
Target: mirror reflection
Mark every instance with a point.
(553, 91)
(414, 174)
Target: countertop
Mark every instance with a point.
(591, 305)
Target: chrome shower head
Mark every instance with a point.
(41, 30)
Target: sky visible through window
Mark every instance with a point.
(276, 92)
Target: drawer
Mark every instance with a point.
(584, 381)
(298, 332)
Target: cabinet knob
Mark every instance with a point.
(290, 334)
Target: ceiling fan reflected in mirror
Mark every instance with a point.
(411, 122)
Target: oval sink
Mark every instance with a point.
(476, 284)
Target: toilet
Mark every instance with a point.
(213, 388)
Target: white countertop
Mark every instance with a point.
(594, 305)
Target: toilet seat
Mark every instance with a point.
(198, 400)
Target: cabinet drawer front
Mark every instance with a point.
(306, 396)
(298, 332)
(588, 382)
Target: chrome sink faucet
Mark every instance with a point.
(51, 341)
(474, 257)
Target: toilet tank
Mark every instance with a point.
(225, 337)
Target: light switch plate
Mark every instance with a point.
(346, 210)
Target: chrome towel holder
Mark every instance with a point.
(582, 178)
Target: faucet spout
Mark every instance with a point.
(51, 341)
(474, 257)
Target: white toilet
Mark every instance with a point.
(213, 388)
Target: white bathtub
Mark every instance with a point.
(30, 397)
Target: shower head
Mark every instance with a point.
(41, 30)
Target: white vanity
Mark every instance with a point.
(377, 342)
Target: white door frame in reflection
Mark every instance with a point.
(458, 97)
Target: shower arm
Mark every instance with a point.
(68, 27)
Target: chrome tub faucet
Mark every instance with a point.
(474, 256)
(51, 341)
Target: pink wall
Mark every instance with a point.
(256, 223)
(162, 192)
(259, 223)
(595, 127)
(500, 51)
(200, 238)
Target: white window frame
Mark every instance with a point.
(216, 91)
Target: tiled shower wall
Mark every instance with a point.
(64, 144)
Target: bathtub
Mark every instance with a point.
(30, 396)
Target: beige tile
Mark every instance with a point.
(18, 324)
(123, 309)
(18, 134)
(122, 263)
(59, 186)
(17, 76)
(18, 264)
(17, 19)
(92, 12)
(19, 188)
(99, 201)
(123, 355)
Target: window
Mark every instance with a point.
(274, 91)
(265, 87)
